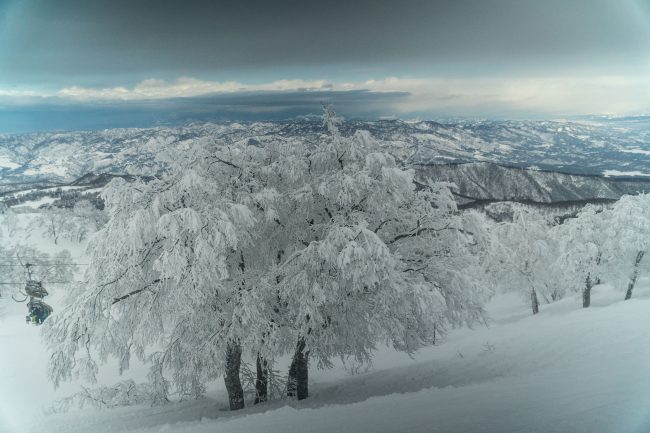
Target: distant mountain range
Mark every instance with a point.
(539, 161)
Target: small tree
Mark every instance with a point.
(74, 224)
(581, 246)
(627, 238)
(526, 251)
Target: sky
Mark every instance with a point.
(82, 64)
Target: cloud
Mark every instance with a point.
(12, 93)
(520, 96)
(186, 87)
(402, 96)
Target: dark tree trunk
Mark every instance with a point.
(291, 379)
(534, 301)
(635, 275)
(586, 293)
(555, 295)
(232, 380)
(261, 382)
(302, 371)
(298, 381)
(586, 297)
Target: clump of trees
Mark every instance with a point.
(615, 241)
(316, 250)
(74, 224)
(541, 257)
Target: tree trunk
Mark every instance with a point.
(291, 379)
(298, 382)
(534, 302)
(232, 380)
(555, 295)
(635, 275)
(302, 371)
(586, 297)
(586, 293)
(261, 382)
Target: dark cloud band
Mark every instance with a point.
(92, 42)
(63, 115)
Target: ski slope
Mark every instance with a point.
(567, 369)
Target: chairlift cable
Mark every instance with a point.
(39, 257)
(45, 282)
(44, 264)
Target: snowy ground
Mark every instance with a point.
(565, 370)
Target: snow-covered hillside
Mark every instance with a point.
(485, 160)
(487, 181)
(594, 148)
(566, 369)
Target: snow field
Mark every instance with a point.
(567, 369)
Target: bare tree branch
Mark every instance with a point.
(135, 292)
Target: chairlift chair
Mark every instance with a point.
(35, 289)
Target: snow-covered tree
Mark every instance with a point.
(379, 258)
(319, 250)
(605, 243)
(89, 218)
(479, 258)
(52, 222)
(166, 272)
(526, 253)
(580, 258)
(626, 232)
(74, 224)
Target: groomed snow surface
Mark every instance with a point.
(567, 369)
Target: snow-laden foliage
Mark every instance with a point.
(524, 249)
(549, 259)
(75, 224)
(125, 393)
(330, 247)
(581, 248)
(162, 277)
(606, 243)
(630, 244)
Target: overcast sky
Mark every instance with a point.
(488, 58)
